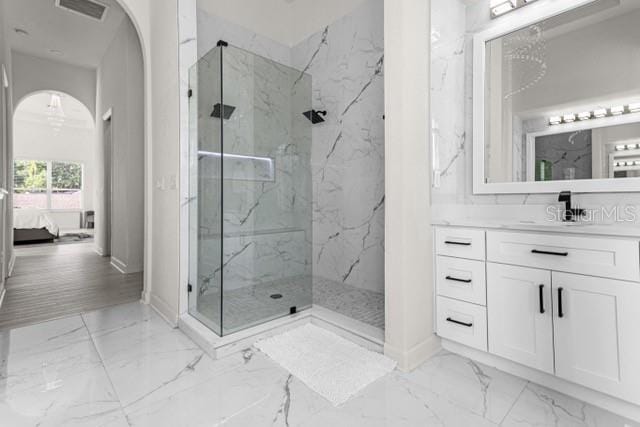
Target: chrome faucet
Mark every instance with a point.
(570, 213)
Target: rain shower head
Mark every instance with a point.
(225, 110)
(315, 116)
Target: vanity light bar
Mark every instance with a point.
(599, 113)
(616, 110)
(627, 163)
(500, 7)
(624, 147)
(634, 108)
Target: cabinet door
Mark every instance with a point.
(519, 315)
(597, 333)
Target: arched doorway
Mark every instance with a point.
(110, 82)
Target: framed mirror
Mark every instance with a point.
(557, 99)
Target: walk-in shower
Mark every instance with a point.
(250, 189)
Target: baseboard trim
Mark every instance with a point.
(163, 309)
(414, 357)
(123, 267)
(98, 250)
(12, 264)
(593, 397)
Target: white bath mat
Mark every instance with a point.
(329, 364)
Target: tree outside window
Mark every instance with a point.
(47, 185)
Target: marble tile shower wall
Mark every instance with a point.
(346, 63)
(266, 215)
(453, 26)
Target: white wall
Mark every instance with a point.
(285, 22)
(35, 141)
(409, 336)
(165, 158)
(6, 113)
(120, 88)
(38, 74)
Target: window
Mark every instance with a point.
(47, 185)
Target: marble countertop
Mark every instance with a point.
(631, 230)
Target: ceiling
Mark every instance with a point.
(59, 34)
(71, 113)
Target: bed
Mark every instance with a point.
(33, 226)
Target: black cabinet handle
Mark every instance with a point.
(536, 251)
(560, 310)
(457, 322)
(541, 297)
(455, 279)
(451, 242)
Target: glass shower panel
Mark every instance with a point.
(266, 190)
(250, 190)
(205, 184)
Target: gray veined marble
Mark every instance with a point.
(329, 227)
(346, 61)
(124, 366)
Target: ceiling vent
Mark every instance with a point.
(88, 8)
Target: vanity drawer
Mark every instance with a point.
(591, 256)
(462, 322)
(460, 242)
(461, 279)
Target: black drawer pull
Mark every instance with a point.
(451, 242)
(541, 296)
(560, 309)
(457, 322)
(536, 251)
(455, 279)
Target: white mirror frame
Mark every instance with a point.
(507, 24)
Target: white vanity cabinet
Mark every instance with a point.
(596, 327)
(564, 304)
(520, 321)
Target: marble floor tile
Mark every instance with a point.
(147, 360)
(117, 317)
(124, 366)
(394, 401)
(40, 357)
(258, 383)
(51, 375)
(539, 406)
(483, 390)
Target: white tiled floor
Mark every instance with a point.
(123, 366)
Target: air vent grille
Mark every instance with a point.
(87, 8)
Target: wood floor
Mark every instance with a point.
(54, 281)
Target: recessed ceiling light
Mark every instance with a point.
(56, 52)
(21, 31)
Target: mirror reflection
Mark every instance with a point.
(562, 98)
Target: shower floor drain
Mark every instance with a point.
(276, 296)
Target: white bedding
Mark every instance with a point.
(34, 218)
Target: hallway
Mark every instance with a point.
(54, 281)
